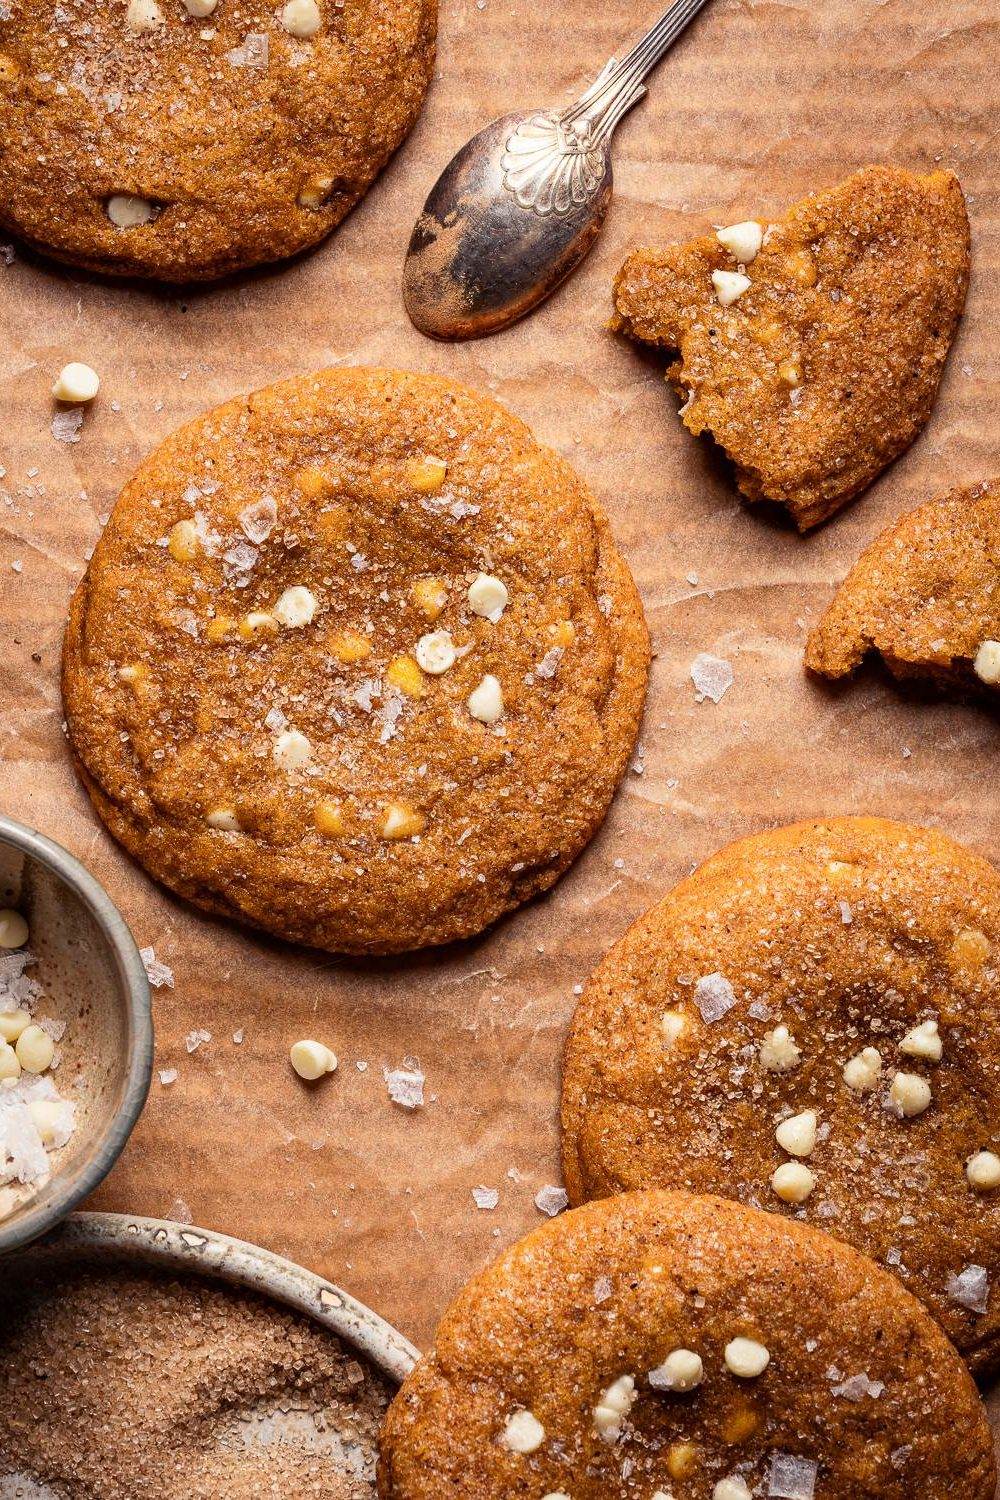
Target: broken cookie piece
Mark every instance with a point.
(814, 362)
(925, 596)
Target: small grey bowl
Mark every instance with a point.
(94, 980)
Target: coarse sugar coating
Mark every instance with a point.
(661, 1344)
(809, 1024)
(181, 139)
(925, 595)
(355, 661)
(816, 362)
(122, 1384)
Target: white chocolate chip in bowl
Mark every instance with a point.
(488, 597)
(435, 652)
(485, 702)
(682, 1371)
(296, 607)
(746, 1358)
(923, 1041)
(76, 383)
(126, 211)
(13, 929)
(301, 18)
(982, 1171)
(987, 663)
(729, 286)
(613, 1407)
(797, 1134)
(743, 241)
(522, 1433)
(910, 1095)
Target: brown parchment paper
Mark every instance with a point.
(760, 102)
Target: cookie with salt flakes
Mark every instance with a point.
(661, 1346)
(185, 139)
(925, 597)
(809, 1024)
(811, 347)
(356, 661)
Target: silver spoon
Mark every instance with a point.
(521, 204)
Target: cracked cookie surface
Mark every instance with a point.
(815, 362)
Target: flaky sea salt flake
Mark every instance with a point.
(551, 1200)
(66, 425)
(486, 1197)
(712, 676)
(971, 1289)
(406, 1087)
(714, 995)
(791, 1478)
(159, 975)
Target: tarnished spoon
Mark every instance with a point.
(521, 204)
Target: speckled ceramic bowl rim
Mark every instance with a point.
(204, 1252)
(64, 1193)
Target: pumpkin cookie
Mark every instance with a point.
(183, 139)
(811, 348)
(356, 661)
(660, 1346)
(809, 1024)
(925, 595)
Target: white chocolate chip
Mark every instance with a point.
(12, 1023)
(223, 818)
(13, 929)
(435, 652)
(296, 607)
(143, 15)
(312, 1060)
(200, 8)
(557, 1495)
(35, 1049)
(862, 1072)
(523, 1433)
(672, 1024)
(488, 597)
(910, 1094)
(49, 1117)
(76, 382)
(778, 1051)
(743, 241)
(729, 285)
(613, 1407)
(127, 211)
(733, 1488)
(10, 1064)
(793, 1182)
(746, 1358)
(301, 18)
(987, 663)
(485, 702)
(923, 1041)
(983, 1171)
(797, 1135)
(682, 1370)
(292, 750)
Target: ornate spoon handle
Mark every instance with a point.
(556, 160)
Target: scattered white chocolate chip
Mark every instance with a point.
(435, 652)
(987, 663)
(292, 750)
(35, 1049)
(10, 1064)
(523, 1433)
(743, 241)
(983, 1171)
(778, 1051)
(672, 1024)
(734, 1487)
(12, 1023)
(296, 607)
(485, 702)
(126, 211)
(923, 1041)
(200, 8)
(729, 286)
(312, 1060)
(143, 15)
(862, 1073)
(613, 1407)
(682, 1370)
(910, 1094)
(13, 929)
(793, 1182)
(224, 819)
(797, 1135)
(488, 597)
(746, 1358)
(76, 382)
(301, 18)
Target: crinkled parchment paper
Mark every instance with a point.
(761, 102)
